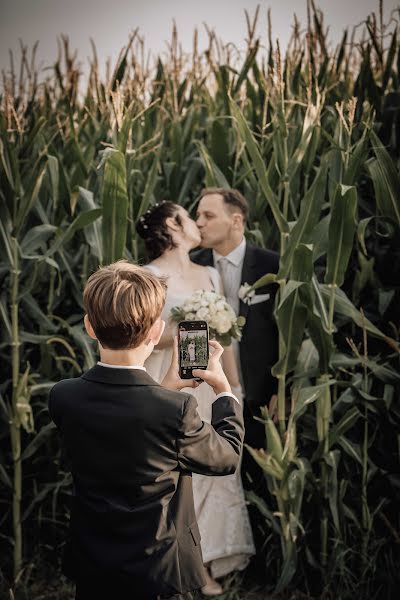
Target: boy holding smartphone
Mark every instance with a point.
(132, 446)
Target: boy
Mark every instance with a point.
(132, 445)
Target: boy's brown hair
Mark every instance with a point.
(122, 302)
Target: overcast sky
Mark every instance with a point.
(109, 22)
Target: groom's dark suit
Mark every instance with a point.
(132, 446)
(259, 344)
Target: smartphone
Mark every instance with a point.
(193, 347)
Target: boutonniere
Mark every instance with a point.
(246, 293)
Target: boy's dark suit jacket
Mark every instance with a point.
(259, 343)
(132, 446)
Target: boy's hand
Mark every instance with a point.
(214, 374)
(172, 381)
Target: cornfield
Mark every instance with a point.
(312, 138)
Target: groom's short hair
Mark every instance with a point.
(122, 302)
(231, 197)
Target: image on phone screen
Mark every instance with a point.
(193, 347)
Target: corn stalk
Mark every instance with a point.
(15, 424)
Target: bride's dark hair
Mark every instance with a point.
(153, 230)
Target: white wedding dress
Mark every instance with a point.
(226, 536)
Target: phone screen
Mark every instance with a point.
(193, 347)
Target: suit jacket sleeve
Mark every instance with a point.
(52, 407)
(211, 449)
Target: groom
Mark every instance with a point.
(221, 219)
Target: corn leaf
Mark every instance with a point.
(345, 307)
(254, 151)
(308, 218)
(114, 201)
(63, 236)
(291, 317)
(386, 180)
(214, 176)
(341, 233)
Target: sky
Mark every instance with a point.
(110, 22)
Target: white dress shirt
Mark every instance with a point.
(140, 368)
(121, 366)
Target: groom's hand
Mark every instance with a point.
(172, 381)
(214, 374)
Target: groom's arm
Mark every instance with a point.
(211, 449)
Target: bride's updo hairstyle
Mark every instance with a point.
(153, 229)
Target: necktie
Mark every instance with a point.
(225, 270)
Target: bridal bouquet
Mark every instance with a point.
(211, 307)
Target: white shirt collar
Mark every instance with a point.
(121, 366)
(236, 256)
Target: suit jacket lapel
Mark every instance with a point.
(102, 374)
(247, 275)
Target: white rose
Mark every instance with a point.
(213, 322)
(202, 314)
(223, 323)
(209, 296)
(212, 310)
(220, 305)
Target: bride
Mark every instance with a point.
(192, 352)
(226, 538)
